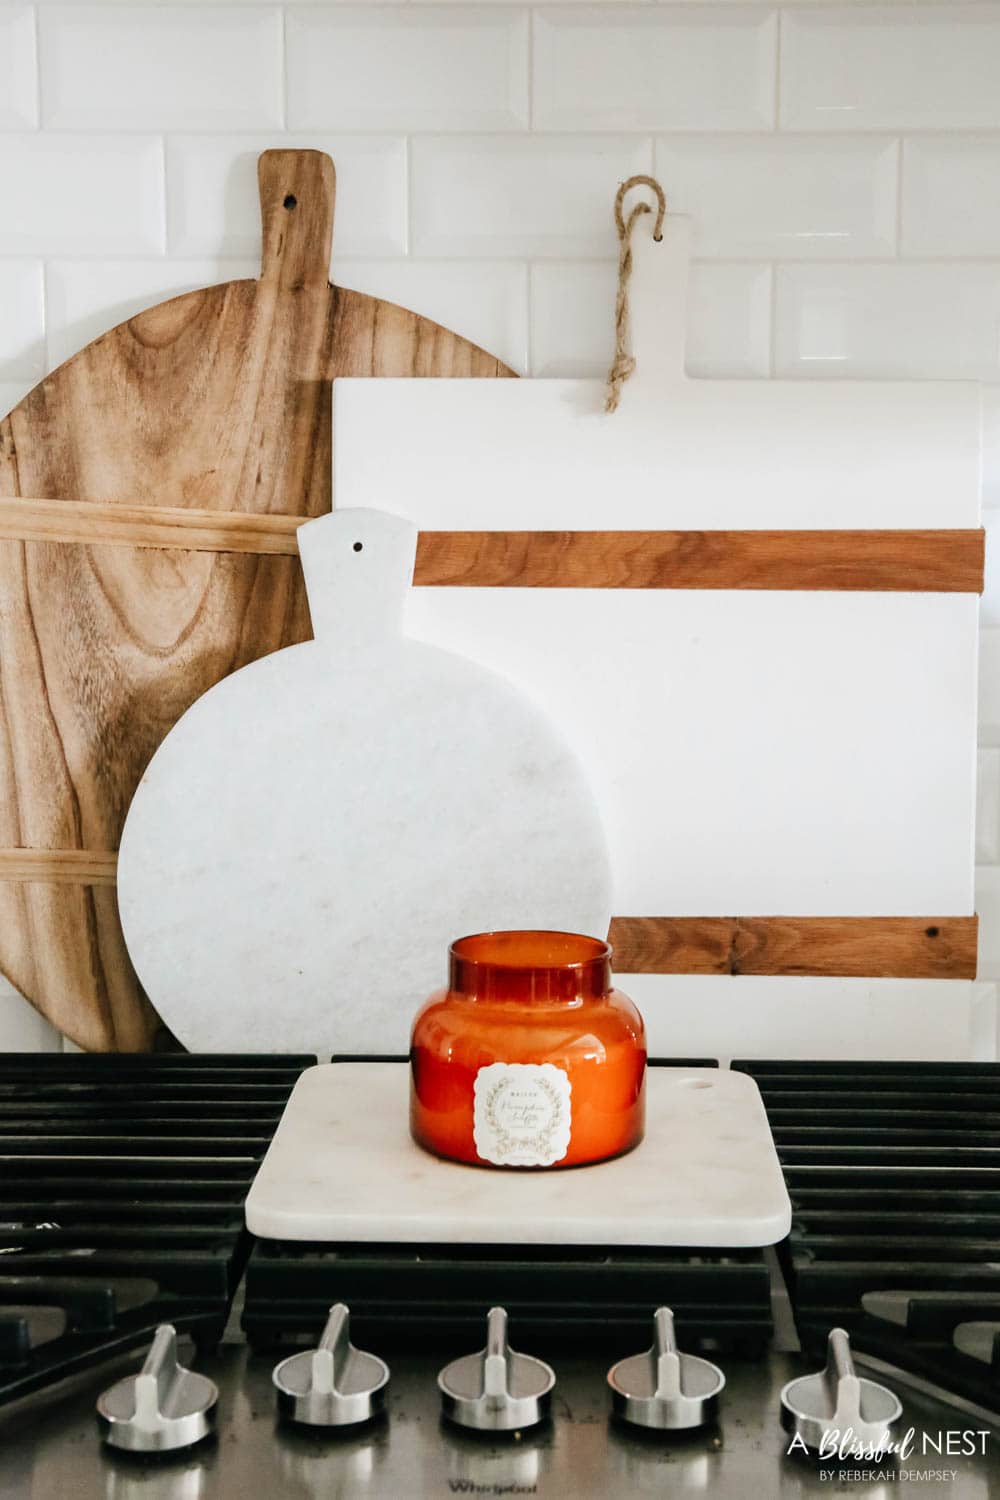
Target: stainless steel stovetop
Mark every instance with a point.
(51, 1450)
(124, 1181)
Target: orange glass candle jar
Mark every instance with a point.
(529, 1058)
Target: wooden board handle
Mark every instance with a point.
(297, 194)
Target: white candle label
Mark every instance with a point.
(522, 1114)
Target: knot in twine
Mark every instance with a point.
(623, 363)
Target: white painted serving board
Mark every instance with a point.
(315, 831)
(342, 1166)
(756, 1016)
(754, 753)
(758, 753)
(525, 455)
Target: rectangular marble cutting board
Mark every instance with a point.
(342, 1166)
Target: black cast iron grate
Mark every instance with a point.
(570, 1297)
(557, 1297)
(121, 1206)
(893, 1169)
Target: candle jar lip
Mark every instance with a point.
(522, 948)
(525, 964)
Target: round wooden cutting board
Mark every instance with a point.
(215, 401)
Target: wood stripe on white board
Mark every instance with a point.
(922, 560)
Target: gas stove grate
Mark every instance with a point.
(557, 1297)
(566, 1297)
(122, 1201)
(893, 1169)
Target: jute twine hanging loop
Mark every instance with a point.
(624, 362)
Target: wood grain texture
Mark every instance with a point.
(845, 947)
(215, 401)
(942, 561)
(162, 528)
(59, 866)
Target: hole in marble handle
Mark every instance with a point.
(359, 546)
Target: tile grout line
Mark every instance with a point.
(37, 40)
(46, 303)
(724, 135)
(779, 33)
(283, 71)
(407, 198)
(530, 59)
(164, 221)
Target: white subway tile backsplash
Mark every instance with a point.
(22, 321)
(85, 299)
(160, 67)
(12, 392)
(664, 67)
(989, 606)
(988, 908)
(360, 67)
(87, 195)
(485, 301)
(881, 67)
(729, 324)
(802, 198)
(18, 81)
(989, 689)
(983, 1024)
(902, 321)
(950, 202)
(991, 445)
(213, 206)
(988, 808)
(544, 195)
(22, 1029)
(572, 319)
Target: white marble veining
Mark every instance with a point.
(343, 1166)
(316, 829)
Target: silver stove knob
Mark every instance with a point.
(496, 1390)
(662, 1388)
(334, 1385)
(837, 1399)
(162, 1408)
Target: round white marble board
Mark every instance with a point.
(316, 829)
